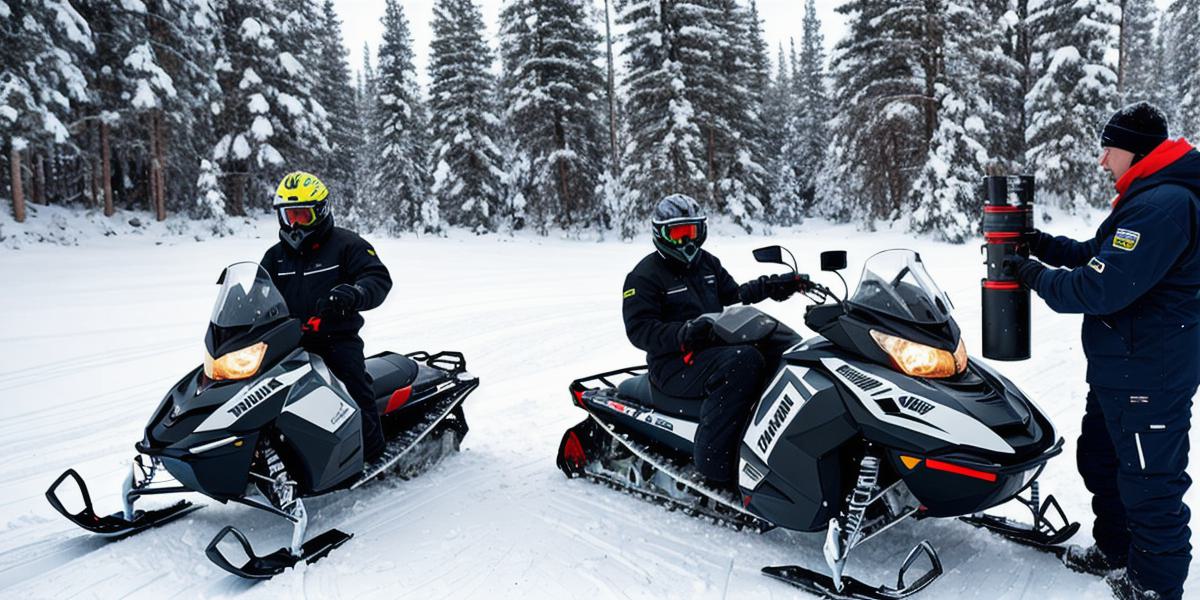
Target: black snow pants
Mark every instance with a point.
(344, 357)
(727, 380)
(1132, 454)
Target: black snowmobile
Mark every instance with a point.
(880, 417)
(266, 424)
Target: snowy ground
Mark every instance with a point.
(91, 336)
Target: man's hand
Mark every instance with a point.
(1023, 269)
(341, 301)
(1037, 242)
(775, 287)
(695, 335)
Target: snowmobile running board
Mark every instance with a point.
(118, 524)
(851, 588)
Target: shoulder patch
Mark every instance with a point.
(1126, 239)
(1096, 265)
(629, 293)
(371, 251)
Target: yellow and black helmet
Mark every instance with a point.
(301, 204)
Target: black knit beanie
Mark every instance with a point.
(1138, 128)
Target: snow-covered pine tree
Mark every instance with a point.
(1074, 42)
(1138, 67)
(779, 106)
(468, 170)
(399, 167)
(555, 98)
(879, 138)
(1181, 32)
(812, 110)
(365, 212)
(1003, 63)
(39, 94)
(733, 113)
(335, 94)
(665, 152)
(945, 196)
(269, 121)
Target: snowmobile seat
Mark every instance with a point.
(642, 391)
(391, 372)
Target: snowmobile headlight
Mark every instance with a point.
(919, 360)
(238, 364)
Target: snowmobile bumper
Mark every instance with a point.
(266, 567)
(119, 524)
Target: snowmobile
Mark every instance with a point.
(266, 424)
(880, 417)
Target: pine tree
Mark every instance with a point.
(554, 93)
(1138, 70)
(400, 187)
(365, 212)
(779, 108)
(337, 168)
(812, 109)
(1181, 30)
(41, 92)
(1074, 95)
(468, 173)
(945, 195)
(1003, 81)
(665, 153)
(879, 138)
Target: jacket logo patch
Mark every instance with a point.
(371, 252)
(1096, 265)
(1126, 239)
(629, 293)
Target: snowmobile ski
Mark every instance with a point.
(123, 523)
(1042, 535)
(266, 567)
(851, 588)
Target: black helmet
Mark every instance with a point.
(680, 228)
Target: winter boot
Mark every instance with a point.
(1125, 588)
(1091, 560)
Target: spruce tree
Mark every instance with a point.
(554, 93)
(399, 167)
(1181, 32)
(468, 171)
(1138, 71)
(336, 169)
(1075, 94)
(812, 108)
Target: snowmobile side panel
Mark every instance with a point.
(221, 473)
(794, 451)
(322, 434)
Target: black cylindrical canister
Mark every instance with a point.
(1007, 223)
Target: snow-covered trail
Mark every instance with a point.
(91, 337)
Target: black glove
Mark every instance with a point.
(695, 335)
(342, 300)
(1037, 242)
(1025, 270)
(775, 287)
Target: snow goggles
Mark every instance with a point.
(297, 216)
(682, 232)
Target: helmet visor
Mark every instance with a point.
(297, 216)
(681, 233)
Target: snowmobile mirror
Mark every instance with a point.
(770, 254)
(833, 260)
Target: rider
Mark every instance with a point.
(328, 275)
(663, 297)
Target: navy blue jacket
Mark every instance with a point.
(1137, 283)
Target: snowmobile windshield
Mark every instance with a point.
(895, 283)
(247, 298)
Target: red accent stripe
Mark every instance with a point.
(1160, 158)
(1001, 236)
(938, 465)
(1001, 285)
(399, 397)
(1005, 209)
(578, 396)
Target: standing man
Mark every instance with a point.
(1137, 283)
(663, 300)
(328, 275)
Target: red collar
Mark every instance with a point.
(1160, 158)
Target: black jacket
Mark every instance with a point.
(660, 294)
(1137, 282)
(326, 259)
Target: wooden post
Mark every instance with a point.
(106, 170)
(18, 195)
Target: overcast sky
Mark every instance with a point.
(361, 23)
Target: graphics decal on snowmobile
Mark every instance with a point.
(272, 426)
(845, 438)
